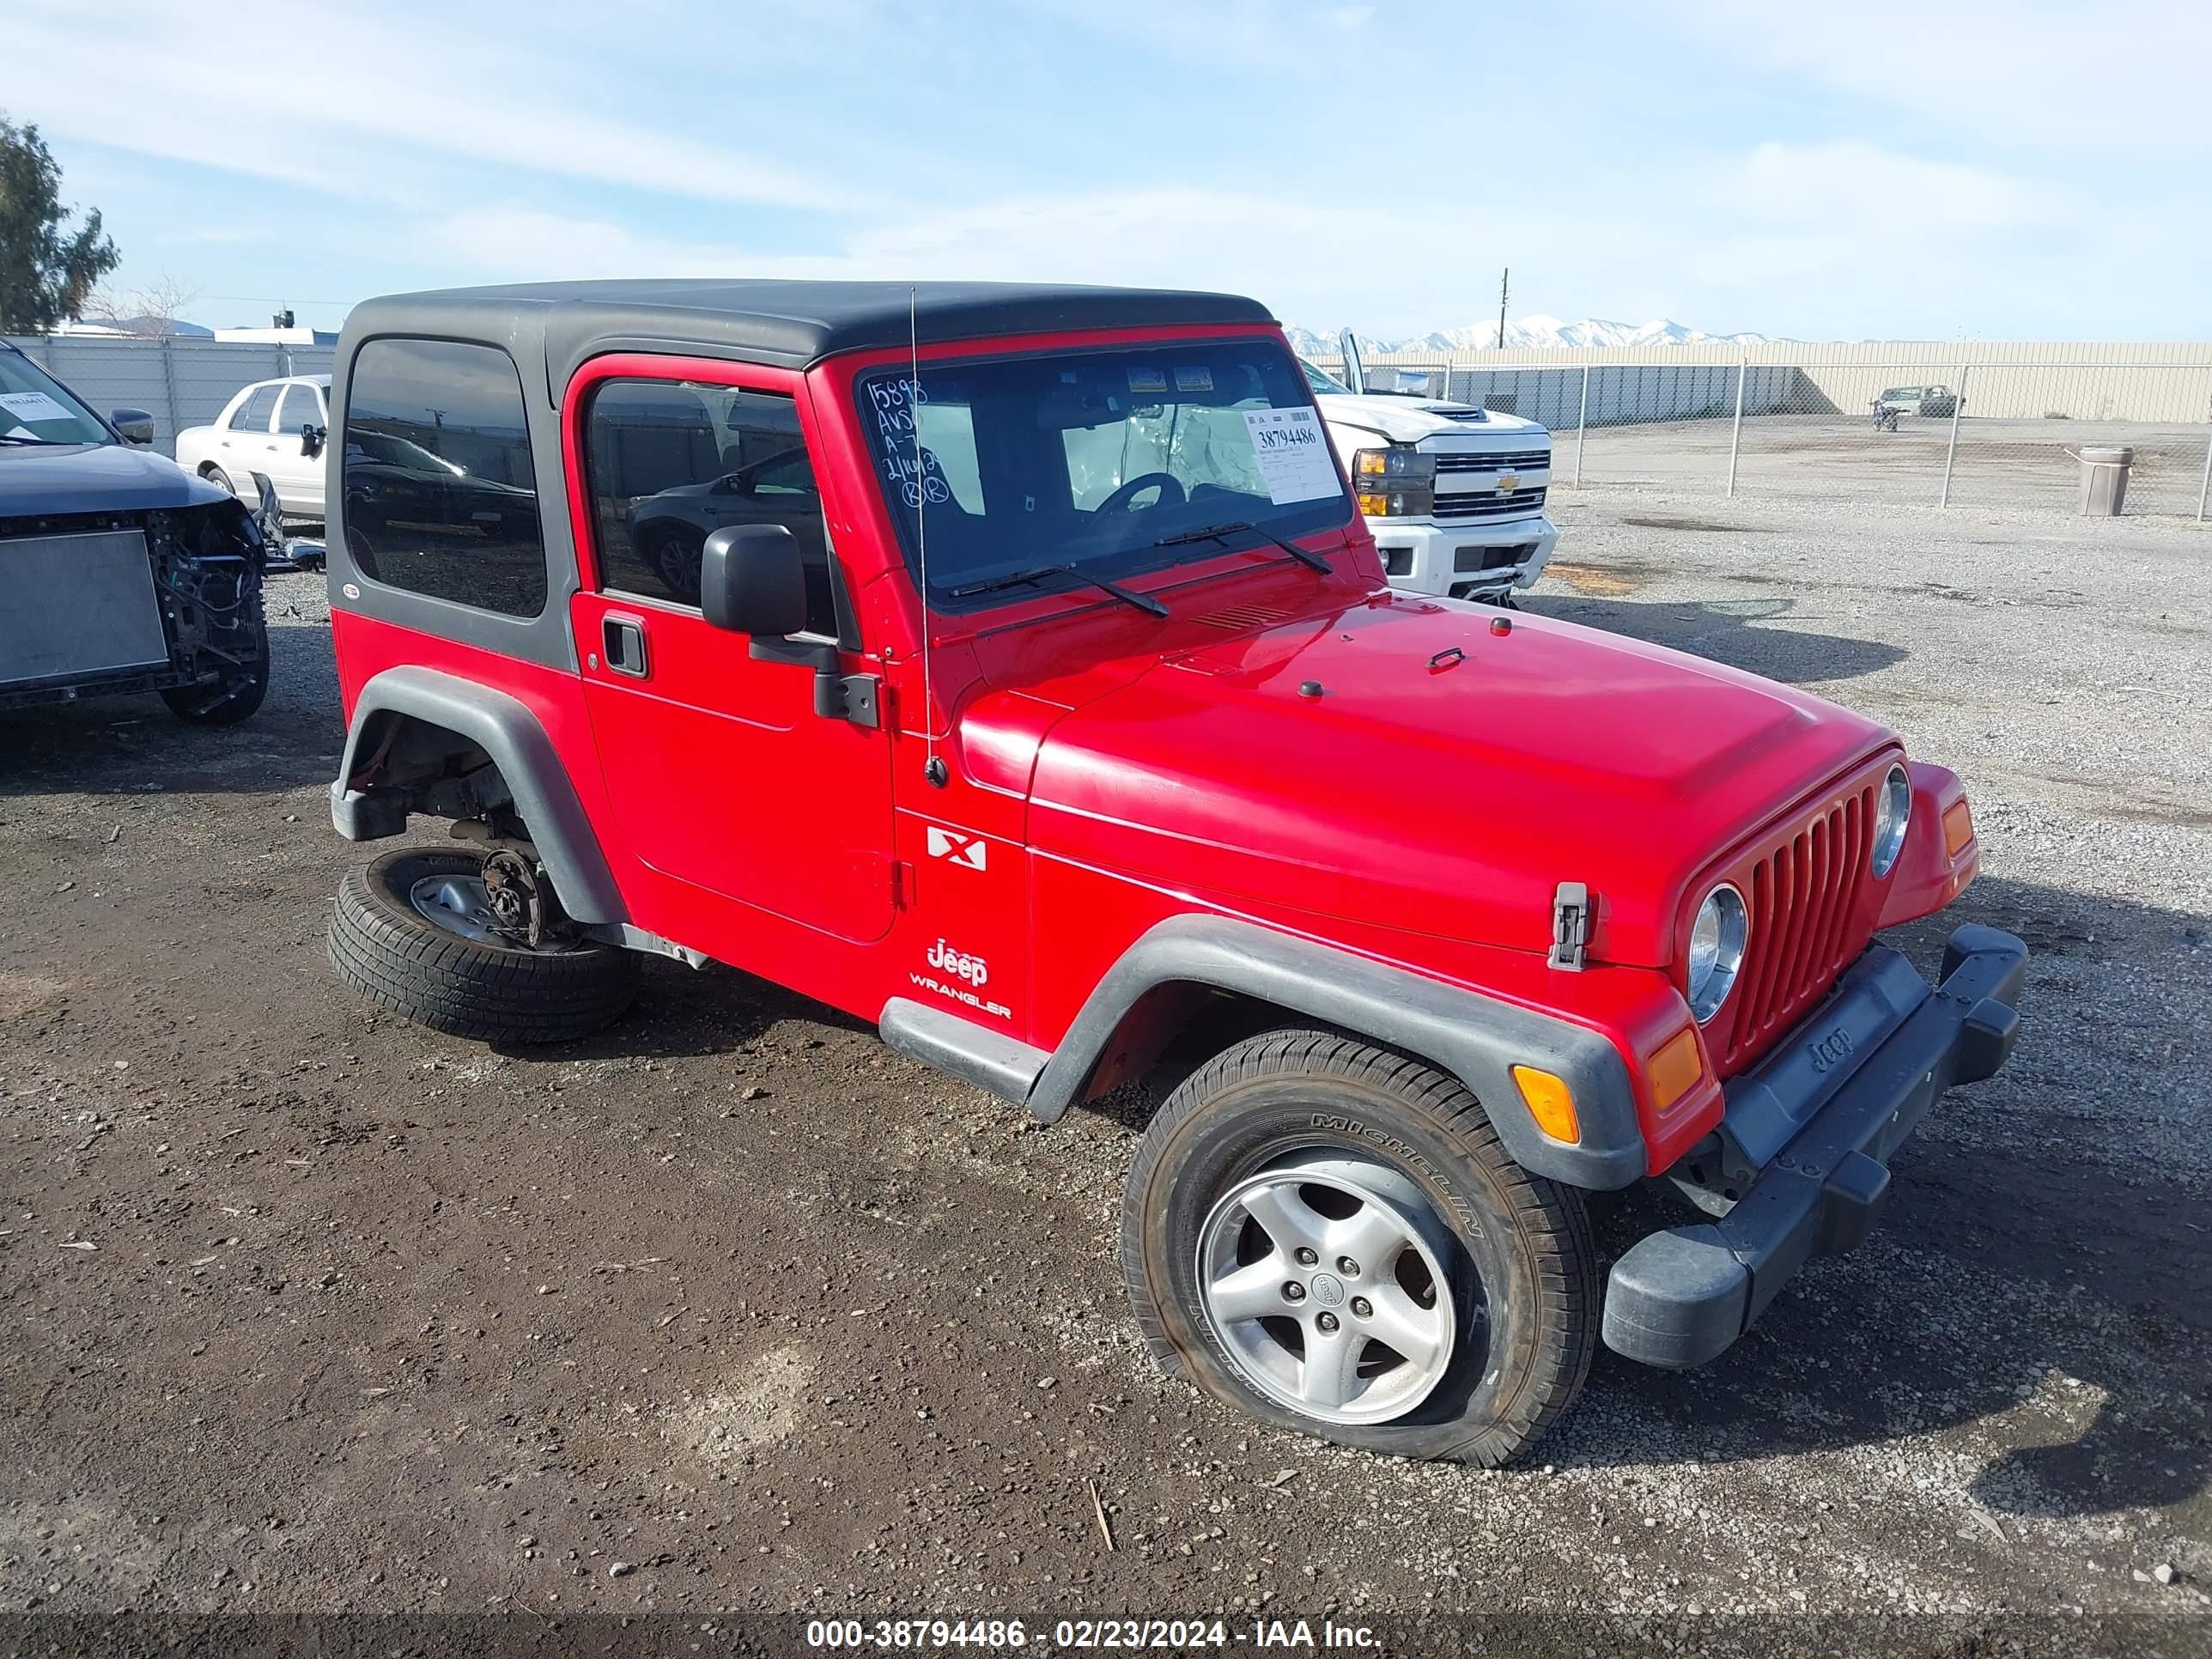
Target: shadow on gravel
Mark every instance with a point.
(2038, 1277)
(1725, 631)
(118, 745)
(684, 1011)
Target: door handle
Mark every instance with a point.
(623, 640)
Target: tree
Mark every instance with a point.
(47, 269)
(149, 311)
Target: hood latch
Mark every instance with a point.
(1570, 922)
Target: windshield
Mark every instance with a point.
(1097, 458)
(1322, 382)
(33, 405)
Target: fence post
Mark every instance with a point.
(1582, 430)
(169, 388)
(1735, 432)
(2204, 483)
(1958, 403)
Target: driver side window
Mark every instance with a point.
(670, 462)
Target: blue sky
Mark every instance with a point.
(1930, 170)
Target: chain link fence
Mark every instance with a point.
(1970, 433)
(2003, 434)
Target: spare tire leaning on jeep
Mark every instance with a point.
(419, 932)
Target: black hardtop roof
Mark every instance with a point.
(790, 324)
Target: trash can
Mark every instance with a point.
(2105, 479)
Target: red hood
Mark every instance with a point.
(1449, 799)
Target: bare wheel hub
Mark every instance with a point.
(467, 906)
(1323, 1277)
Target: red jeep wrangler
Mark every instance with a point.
(1011, 667)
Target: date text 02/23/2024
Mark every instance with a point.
(1086, 1635)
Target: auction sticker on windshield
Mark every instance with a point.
(28, 406)
(1294, 455)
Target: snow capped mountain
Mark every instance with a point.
(1538, 332)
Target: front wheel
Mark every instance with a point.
(234, 694)
(221, 479)
(1331, 1237)
(420, 933)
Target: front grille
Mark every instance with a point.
(1803, 897)
(1466, 560)
(1489, 504)
(1495, 460)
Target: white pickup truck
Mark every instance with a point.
(1453, 494)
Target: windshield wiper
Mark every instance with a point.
(32, 438)
(1216, 532)
(1144, 602)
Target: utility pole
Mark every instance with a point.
(1505, 278)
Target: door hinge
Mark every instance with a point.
(1571, 926)
(848, 698)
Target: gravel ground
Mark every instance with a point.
(731, 1309)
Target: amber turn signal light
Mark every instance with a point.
(1674, 1069)
(1958, 827)
(1550, 1101)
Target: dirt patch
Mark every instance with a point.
(1656, 522)
(23, 993)
(1598, 581)
(767, 1405)
(2148, 812)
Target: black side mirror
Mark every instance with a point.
(311, 438)
(136, 425)
(752, 581)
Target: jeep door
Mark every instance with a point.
(726, 781)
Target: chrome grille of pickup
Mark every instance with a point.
(1489, 504)
(1803, 897)
(1495, 460)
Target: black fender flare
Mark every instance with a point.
(1476, 1038)
(506, 730)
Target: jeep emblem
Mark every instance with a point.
(1327, 1290)
(1831, 1048)
(974, 969)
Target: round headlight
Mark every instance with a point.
(1716, 941)
(1892, 814)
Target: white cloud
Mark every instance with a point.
(2026, 75)
(1736, 230)
(1848, 174)
(388, 114)
(1862, 189)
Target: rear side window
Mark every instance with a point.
(440, 496)
(670, 462)
(252, 415)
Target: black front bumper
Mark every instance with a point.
(65, 687)
(1805, 1143)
